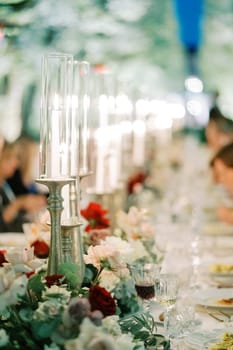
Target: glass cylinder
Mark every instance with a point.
(102, 109)
(80, 120)
(55, 116)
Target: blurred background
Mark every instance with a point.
(152, 46)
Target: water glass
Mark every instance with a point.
(166, 290)
(144, 276)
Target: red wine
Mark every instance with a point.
(145, 291)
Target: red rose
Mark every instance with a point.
(2, 257)
(94, 214)
(100, 299)
(138, 178)
(41, 249)
(29, 274)
(54, 280)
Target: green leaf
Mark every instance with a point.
(72, 273)
(90, 274)
(43, 330)
(142, 335)
(26, 314)
(35, 285)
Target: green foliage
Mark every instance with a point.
(90, 275)
(126, 297)
(143, 328)
(35, 285)
(72, 273)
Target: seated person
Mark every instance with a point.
(222, 166)
(219, 130)
(14, 209)
(22, 181)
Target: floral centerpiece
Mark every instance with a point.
(48, 312)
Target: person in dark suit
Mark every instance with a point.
(15, 209)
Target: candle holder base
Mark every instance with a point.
(55, 208)
(72, 251)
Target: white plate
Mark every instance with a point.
(218, 229)
(209, 297)
(222, 278)
(202, 339)
(12, 240)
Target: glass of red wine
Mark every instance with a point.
(144, 276)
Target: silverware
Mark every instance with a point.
(214, 316)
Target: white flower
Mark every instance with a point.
(135, 224)
(138, 251)
(59, 293)
(11, 287)
(4, 338)
(113, 249)
(98, 253)
(7, 276)
(108, 337)
(109, 279)
(136, 216)
(91, 338)
(23, 259)
(52, 346)
(48, 308)
(111, 325)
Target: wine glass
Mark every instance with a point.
(144, 276)
(166, 290)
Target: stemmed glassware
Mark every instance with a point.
(144, 276)
(166, 290)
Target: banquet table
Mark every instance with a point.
(190, 254)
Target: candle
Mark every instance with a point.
(139, 131)
(115, 156)
(101, 147)
(74, 137)
(84, 136)
(55, 138)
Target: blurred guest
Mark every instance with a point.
(15, 210)
(219, 130)
(22, 181)
(222, 166)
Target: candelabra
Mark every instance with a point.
(63, 137)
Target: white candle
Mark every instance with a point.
(74, 137)
(84, 135)
(139, 131)
(115, 156)
(101, 148)
(55, 139)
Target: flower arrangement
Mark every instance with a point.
(48, 312)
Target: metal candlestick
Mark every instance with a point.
(75, 232)
(72, 248)
(55, 208)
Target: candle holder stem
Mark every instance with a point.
(72, 251)
(55, 208)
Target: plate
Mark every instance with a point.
(203, 339)
(218, 229)
(222, 278)
(12, 240)
(210, 297)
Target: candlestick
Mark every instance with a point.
(55, 208)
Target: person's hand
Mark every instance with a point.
(32, 203)
(225, 214)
